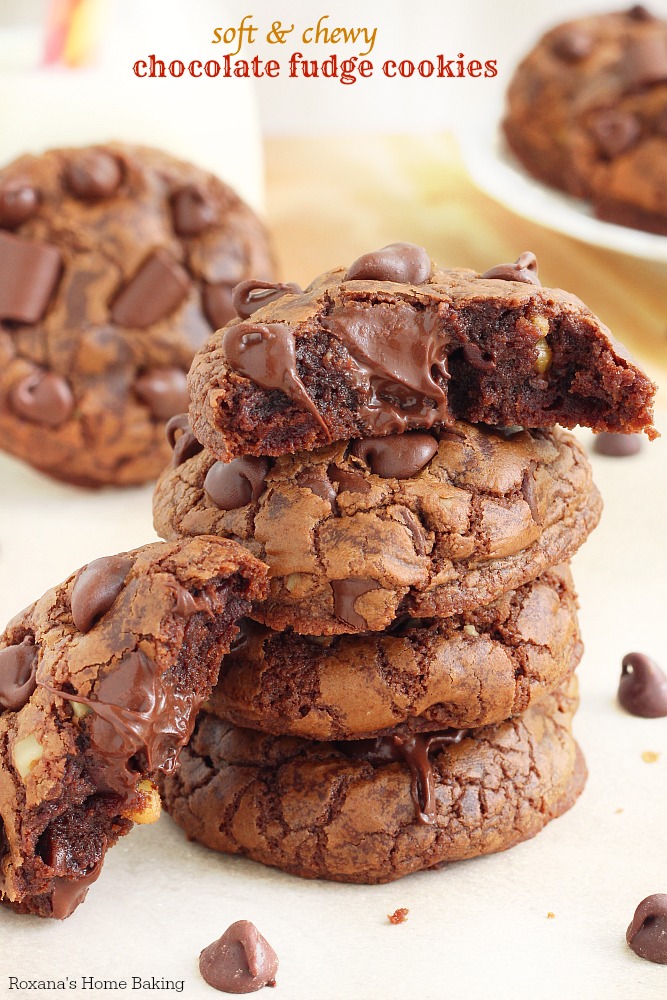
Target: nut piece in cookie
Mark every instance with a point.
(100, 681)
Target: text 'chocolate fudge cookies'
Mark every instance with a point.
(393, 343)
(116, 263)
(587, 113)
(100, 682)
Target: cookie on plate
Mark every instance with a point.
(100, 682)
(116, 263)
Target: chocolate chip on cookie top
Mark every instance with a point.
(116, 263)
(395, 344)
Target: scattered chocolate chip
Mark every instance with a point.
(398, 456)
(402, 262)
(572, 44)
(642, 689)
(647, 934)
(523, 269)
(42, 398)
(398, 916)
(617, 445)
(646, 60)
(233, 485)
(317, 482)
(192, 211)
(29, 273)
(241, 961)
(18, 667)
(217, 302)
(615, 132)
(93, 174)
(249, 296)
(350, 481)
(345, 594)
(164, 390)
(96, 588)
(18, 203)
(156, 289)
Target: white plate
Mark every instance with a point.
(499, 174)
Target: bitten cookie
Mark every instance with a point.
(115, 265)
(372, 811)
(587, 113)
(421, 523)
(100, 681)
(393, 344)
(465, 671)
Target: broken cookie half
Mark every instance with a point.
(100, 683)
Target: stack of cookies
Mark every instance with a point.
(385, 441)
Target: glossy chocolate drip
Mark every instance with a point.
(68, 893)
(249, 296)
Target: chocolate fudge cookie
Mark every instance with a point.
(464, 671)
(587, 113)
(422, 523)
(100, 681)
(116, 263)
(394, 344)
(374, 810)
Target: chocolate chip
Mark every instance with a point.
(176, 427)
(642, 689)
(156, 289)
(18, 203)
(572, 44)
(523, 269)
(29, 273)
(182, 440)
(18, 667)
(647, 934)
(317, 482)
(349, 481)
(218, 305)
(646, 61)
(640, 13)
(402, 262)
(398, 456)
(241, 961)
(419, 539)
(615, 132)
(192, 211)
(233, 485)
(345, 594)
(617, 445)
(96, 588)
(249, 296)
(43, 398)
(93, 174)
(164, 390)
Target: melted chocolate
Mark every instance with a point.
(188, 604)
(249, 296)
(349, 480)
(18, 666)
(398, 456)
(317, 481)
(523, 269)
(345, 594)
(241, 961)
(96, 588)
(405, 263)
(68, 893)
(234, 484)
(182, 440)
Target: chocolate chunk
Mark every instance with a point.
(18, 203)
(399, 456)
(29, 272)
(18, 667)
(164, 390)
(217, 302)
(402, 262)
(523, 269)
(345, 594)
(93, 174)
(241, 961)
(642, 689)
(192, 211)
(266, 354)
(318, 483)
(236, 483)
(647, 934)
(348, 480)
(249, 296)
(43, 398)
(646, 60)
(156, 289)
(615, 132)
(96, 588)
(617, 445)
(572, 44)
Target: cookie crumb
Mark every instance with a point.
(650, 756)
(551, 916)
(398, 916)
(617, 811)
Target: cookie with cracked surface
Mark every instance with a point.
(464, 671)
(587, 113)
(394, 344)
(419, 523)
(100, 682)
(374, 810)
(116, 263)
